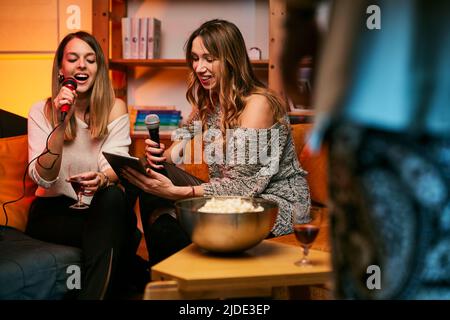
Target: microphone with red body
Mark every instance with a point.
(70, 83)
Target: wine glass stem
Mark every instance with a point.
(80, 198)
(305, 254)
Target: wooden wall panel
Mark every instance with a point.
(276, 21)
(28, 25)
(37, 26)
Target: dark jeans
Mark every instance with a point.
(105, 232)
(163, 234)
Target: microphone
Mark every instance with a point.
(152, 124)
(70, 83)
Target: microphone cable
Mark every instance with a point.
(47, 150)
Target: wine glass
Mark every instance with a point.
(306, 231)
(75, 181)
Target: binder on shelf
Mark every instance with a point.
(154, 38)
(143, 22)
(126, 38)
(134, 38)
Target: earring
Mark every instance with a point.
(60, 78)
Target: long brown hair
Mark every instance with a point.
(237, 81)
(101, 94)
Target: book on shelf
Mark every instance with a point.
(133, 110)
(163, 127)
(143, 111)
(144, 133)
(153, 38)
(166, 117)
(134, 38)
(126, 38)
(162, 121)
(142, 52)
(141, 38)
(169, 118)
(160, 113)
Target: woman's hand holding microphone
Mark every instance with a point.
(65, 97)
(155, 154)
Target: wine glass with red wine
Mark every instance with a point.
(306, 231)
(77, 186)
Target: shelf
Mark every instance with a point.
(169, 63)
(301, 116)
(302, 112)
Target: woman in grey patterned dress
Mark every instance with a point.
(246, 132)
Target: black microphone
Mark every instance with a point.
(152, 124)
(70, 83)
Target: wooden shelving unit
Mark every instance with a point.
(106, 27)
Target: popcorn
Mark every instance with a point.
(229, 205)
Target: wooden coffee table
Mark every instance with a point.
(265, 270)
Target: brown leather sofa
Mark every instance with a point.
(30, 269)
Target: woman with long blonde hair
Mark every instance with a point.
(66, 146)
(235, 110)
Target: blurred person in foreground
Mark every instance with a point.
(382, 97)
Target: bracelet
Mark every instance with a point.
(105, 181)
(193, 191)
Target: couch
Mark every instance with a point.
(32, 269)
(29, 268)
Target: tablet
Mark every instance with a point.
(178, 176)
(118, 162)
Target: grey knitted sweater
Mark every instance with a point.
(256, 163)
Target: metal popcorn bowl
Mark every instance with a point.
(226, 232)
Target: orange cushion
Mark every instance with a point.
(299, 135)
(317, 167)
(315, 164)
(13, 161)
(199, 170)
